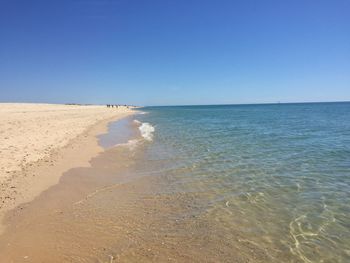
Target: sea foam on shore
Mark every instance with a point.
(146, 130)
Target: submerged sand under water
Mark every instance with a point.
(140, 202)
(113, 212)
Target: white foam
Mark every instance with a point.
(131, 144)
(146, 130)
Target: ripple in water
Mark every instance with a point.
(276, 175)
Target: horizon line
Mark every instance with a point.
(257, 103)
(178, 105)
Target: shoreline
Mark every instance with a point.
(115, 211)
(33, 178)
(46, 229)
(200, 190)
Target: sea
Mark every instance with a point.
(270, 182)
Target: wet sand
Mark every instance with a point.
(39, 142)
(114, 211)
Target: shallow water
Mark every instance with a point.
(278, 176)
(119, 132)
(252, 183)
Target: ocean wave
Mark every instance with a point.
(146, 130)
(131, 144)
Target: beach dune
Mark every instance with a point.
(38, 142)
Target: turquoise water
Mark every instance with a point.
(277, 175)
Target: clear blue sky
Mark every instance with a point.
(158, 52)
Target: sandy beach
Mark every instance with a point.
(38, 142)
(238, 149)
(109, 213)
(179, 184)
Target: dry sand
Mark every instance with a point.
(38, 142)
